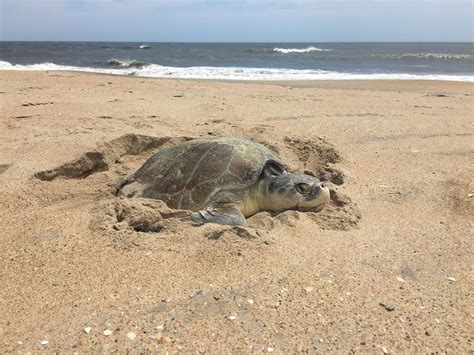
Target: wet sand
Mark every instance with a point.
(387, 266)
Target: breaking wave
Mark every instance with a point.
(118, 63)
(300, 50)
(235, 73)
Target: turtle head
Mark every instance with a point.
(293, 191)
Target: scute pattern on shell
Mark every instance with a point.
(187, 175)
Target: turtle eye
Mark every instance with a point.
(302, 188)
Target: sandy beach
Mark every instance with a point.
(386, 267)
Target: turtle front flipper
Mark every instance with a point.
(224, 209)
(226, 214)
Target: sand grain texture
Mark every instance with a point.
(387, 265)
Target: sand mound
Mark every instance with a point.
(143, 215)
(106, 155)
(314, 156)
(317, 156)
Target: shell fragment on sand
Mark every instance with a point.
(87, 330)
(388, 307)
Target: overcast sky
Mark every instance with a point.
(237, 20)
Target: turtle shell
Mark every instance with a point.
(188, 175)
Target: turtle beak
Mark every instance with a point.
(317, 198)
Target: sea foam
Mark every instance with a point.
(300, 50)
(236, 73)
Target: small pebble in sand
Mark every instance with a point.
(44, 342)
(385, 350)
(452, 279)
(250, 301)
(19, 342)
(232, 317)
(108, 332)
(131, 335)
(87, 330)
(163, 340)
(160, 327)
(400, 279)
(470, 195)
(270, 350)
(309, 289)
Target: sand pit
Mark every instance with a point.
(315, 157)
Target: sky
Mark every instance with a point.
(237, 20)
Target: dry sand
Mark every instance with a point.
(386, 267)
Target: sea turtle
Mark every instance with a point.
(223, 180)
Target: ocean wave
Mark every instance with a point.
(5, 65)
(442, 56)
(300, 50)
(126, 63)
(236, 73)
(426, 56)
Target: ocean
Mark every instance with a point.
(248, 61)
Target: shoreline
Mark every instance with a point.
(323, 83)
